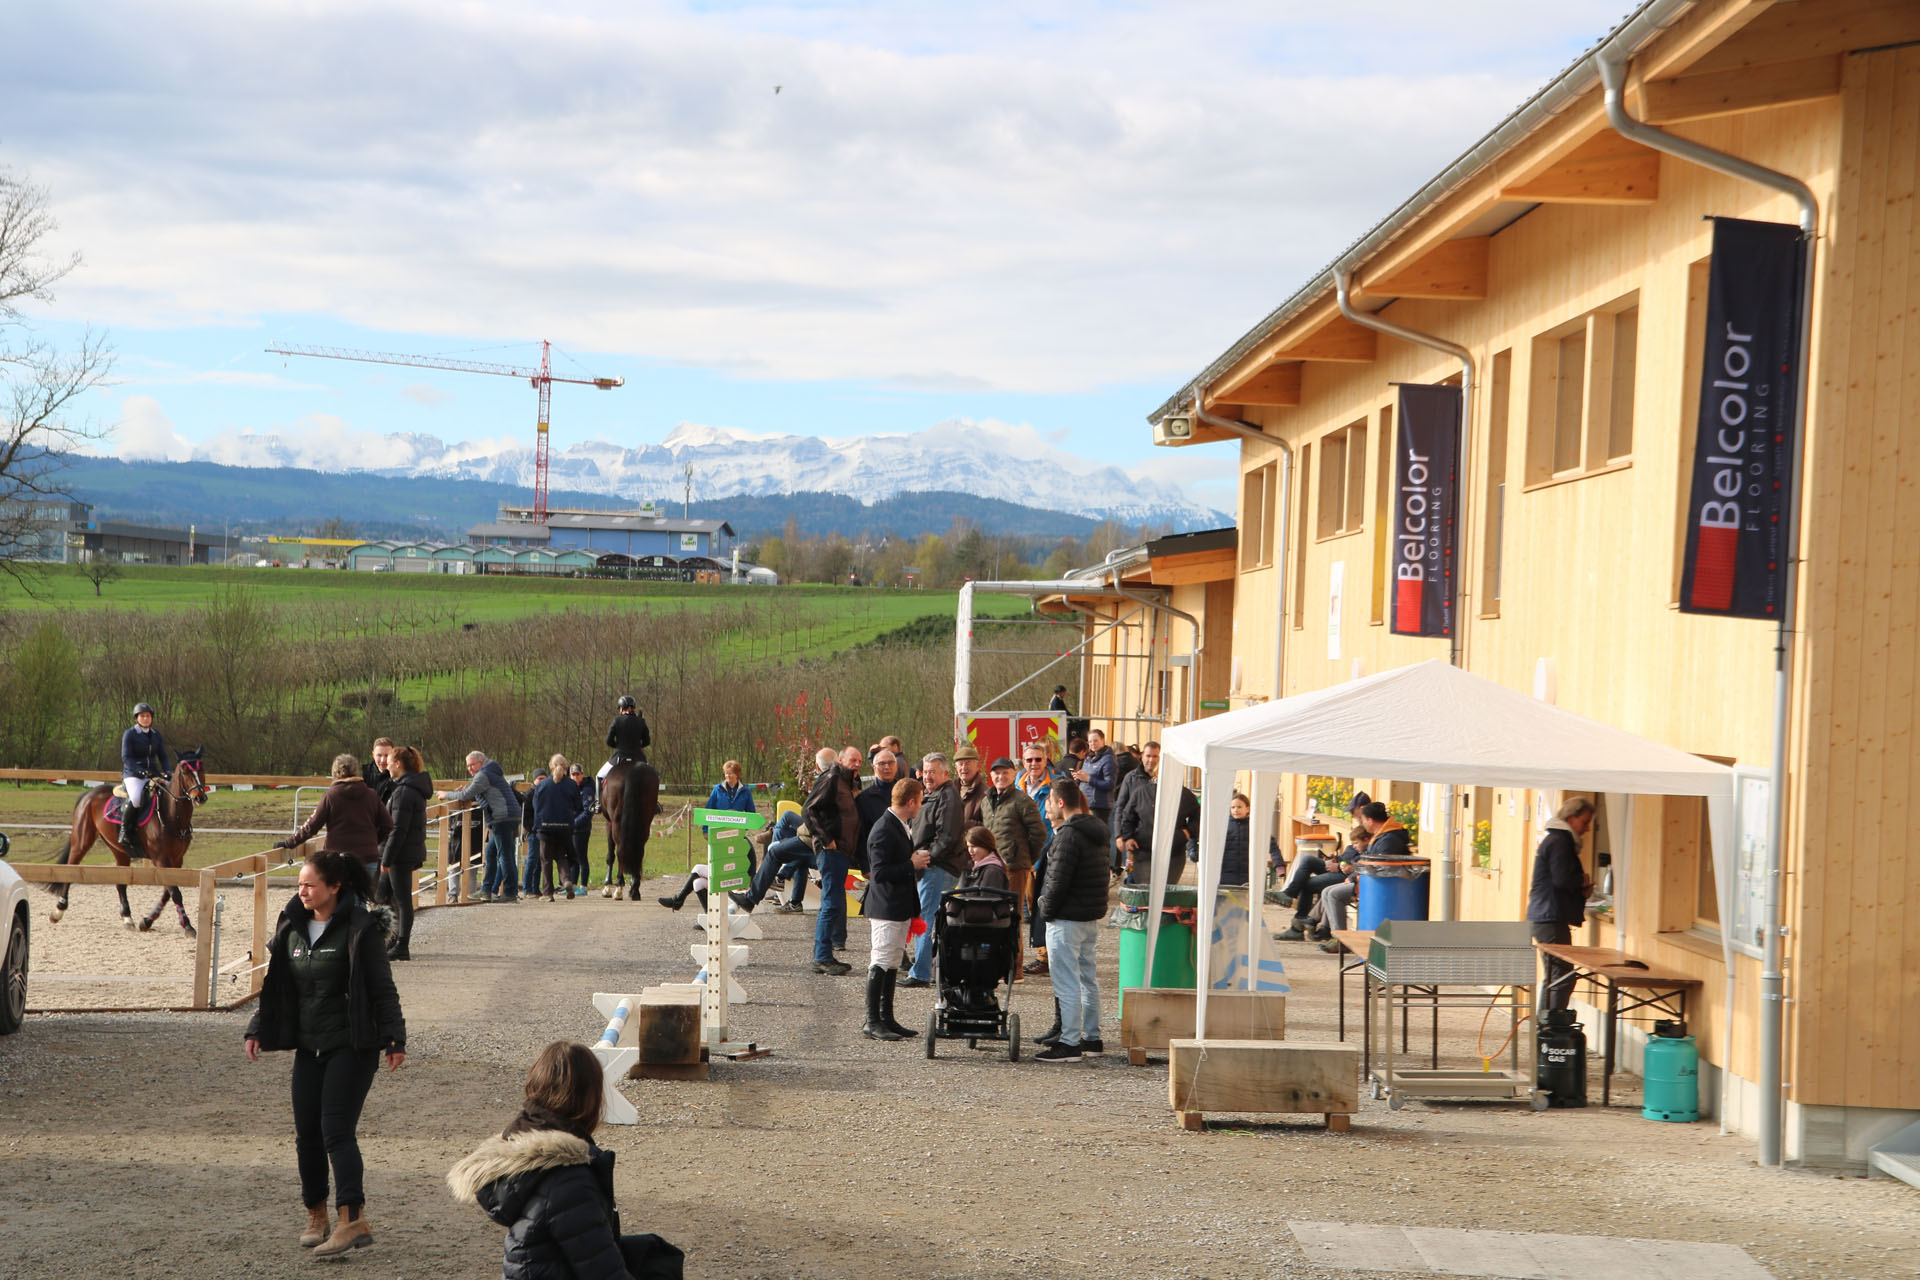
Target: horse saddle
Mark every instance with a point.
(116, 810)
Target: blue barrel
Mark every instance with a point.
(1393, 889)
(1672, 1075)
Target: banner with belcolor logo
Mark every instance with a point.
(1736, 559)
(1426, 501)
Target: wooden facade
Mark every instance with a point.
(1574, 268)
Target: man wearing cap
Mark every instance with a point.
(1311, 876)
(1018, 832)
(970, 784)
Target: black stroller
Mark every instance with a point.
(976, 937)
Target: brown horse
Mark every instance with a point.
(630, 800)
(166, 839)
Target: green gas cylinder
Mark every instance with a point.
(1672, 1075)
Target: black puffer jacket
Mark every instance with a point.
(1077, 870)
(373, 1005)
(553, 1192)
(406, 846)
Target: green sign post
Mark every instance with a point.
(726, 870)
(727, 866)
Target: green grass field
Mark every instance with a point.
(834, 618)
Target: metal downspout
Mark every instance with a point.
(1611, 62)
(1342, 279)
(1283, 512)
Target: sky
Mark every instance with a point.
(822, 217)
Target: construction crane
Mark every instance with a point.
(542, 379)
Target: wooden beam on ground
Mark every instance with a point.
(1151, 1018)
(1263, 1077)
(1276, 386)
(1453, 270)
(1605, 169)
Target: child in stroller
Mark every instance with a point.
(975, 944)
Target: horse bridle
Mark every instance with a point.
(197, 789)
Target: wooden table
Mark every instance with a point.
(1614, 971)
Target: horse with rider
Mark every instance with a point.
(149, 815)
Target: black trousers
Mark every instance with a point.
(1036, 926)
(1557, 989)
(328, 1091)
(556, 858)
(398, 882)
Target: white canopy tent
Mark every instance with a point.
(1430, 722)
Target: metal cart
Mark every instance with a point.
(1450, 964)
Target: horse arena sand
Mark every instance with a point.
(145, 1144)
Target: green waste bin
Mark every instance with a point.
(1173, 962)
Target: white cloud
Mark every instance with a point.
(426, 395)
(145, 433)
(994, 195)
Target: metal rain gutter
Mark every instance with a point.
(1626, 39)
(1611, 64)
(1342, 281)
(1283, 516)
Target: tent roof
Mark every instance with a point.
(1433, 722)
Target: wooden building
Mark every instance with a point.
(1572, 264)
(1143, 648)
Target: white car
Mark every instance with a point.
(14, 942)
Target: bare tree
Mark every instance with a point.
(98, 572)
(38, 384)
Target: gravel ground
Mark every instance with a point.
(146, 1142)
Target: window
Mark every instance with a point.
(1343, 480)
(1256, 518)
(1580, 411)
(1300, 539)
(1493, 518)
(1382, 515)
(1480, 829)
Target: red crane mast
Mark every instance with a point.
(542, 379)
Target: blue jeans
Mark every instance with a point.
(833, 903)
(530, 878)
(500, 877)
(781, 854)
(933, 882)
(1070, 962)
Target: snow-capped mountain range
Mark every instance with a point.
(987, 459)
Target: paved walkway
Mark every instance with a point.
(1520, 1255)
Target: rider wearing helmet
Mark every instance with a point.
(629, 737)
(143, 755)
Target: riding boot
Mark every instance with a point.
(132, 838)
(886, 1007)
(678, 900)
(351, 1232)
(876, 1027)
(317, 1225)
(1053, 1032)
(702, 895)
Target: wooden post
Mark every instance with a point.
(203, 944)
(258, 978)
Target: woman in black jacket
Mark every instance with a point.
(329, 997)
(545, 1181)
(405, 850)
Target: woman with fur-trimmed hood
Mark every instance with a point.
(551, 1187)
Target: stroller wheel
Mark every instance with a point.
(1013, 1037)
(933, 1030)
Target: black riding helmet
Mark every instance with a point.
(142, 708)
(627, 703)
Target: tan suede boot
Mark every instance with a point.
(350, 1232)
(316, 1226)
